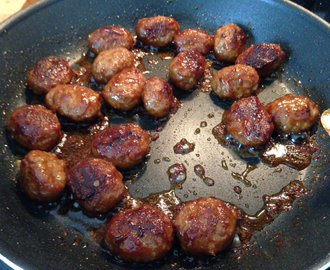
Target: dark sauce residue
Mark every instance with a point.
(199, 170)
(177, 173)
(294, 150)
(205, 85)
(283, 150)
(273, 205)
(183, 147)
(243, 176)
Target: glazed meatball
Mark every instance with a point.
(109, 62)
(42, 176)
(123, 91)
(193, 39)
(96, 185)
(110, 37)
(235, 82)
(205, 226)
(229, 41)
(186, 69)
(48, 73)
(157, 31)
(140, 235)
(123, 145)
(293, 114)
(34, 127)
(75, 102)
(264, 57)
(248, 122)
(157, 97)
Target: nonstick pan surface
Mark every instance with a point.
(37, 237)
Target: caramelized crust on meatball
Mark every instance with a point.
(248, 122)
(140, 235)
(293, 114)
(264, 57)
(157, 96)
(109, 62)
(96, 185)
(123, 91)
(110, 37)
(235, 82)
(186, 69)
(205, 226)
(229, 41)
(193, 39)
(75, 102)
(123, 145)
(157, 31)
(34, 127)
(48, 73)
(42, 176)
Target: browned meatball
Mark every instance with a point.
(123, 145)
(75, 102)
(235, 81)
(264, 57)
(110, 37)
(157, 96)
(229, 41)
(96, 185)
(140, 235)
(293, 114)
(193, 39)
(157, 31)
(48, 73)
(109, 62)
(34, 127)
(205, 226)
(123, 91)
(248, 122)
(42, 176)
(186, 69)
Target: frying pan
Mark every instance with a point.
(37, 237)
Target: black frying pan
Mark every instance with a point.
(37, 237)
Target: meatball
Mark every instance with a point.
(229, 41)
(205, 226)
(235, 82)
(42, 176)
(248, 122)
(293, 114)
(264, 57)
(96, 185)
(110, 37)
(186, 69)
(157, 31)
(123, 91)
(75, 102)
(157, 97)
(193, 39)
(34, 127)
(48, 73)
(123, 145)
(109, 62)
(141, 235)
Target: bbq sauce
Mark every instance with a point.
(170, 203)
(294, 150)
(76, 146)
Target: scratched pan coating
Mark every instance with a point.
(37, 238)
